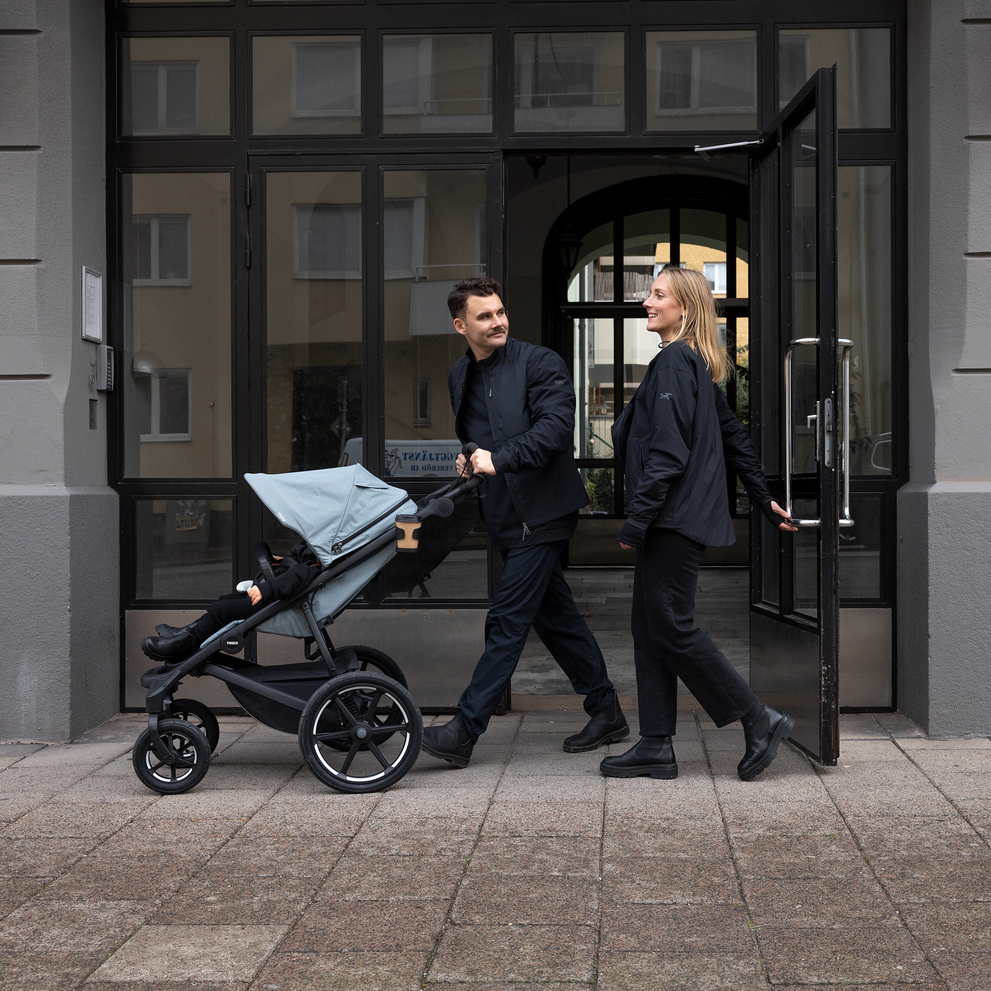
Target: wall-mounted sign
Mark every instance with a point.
(92, 305)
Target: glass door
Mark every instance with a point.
(802, 368)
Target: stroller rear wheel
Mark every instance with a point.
(360, 732)
(188, 761)
(201, 716)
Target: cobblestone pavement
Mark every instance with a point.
(525, 870)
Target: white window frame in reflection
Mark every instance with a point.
(350, 45)
(156, 399)
(162, 70)
(715, 272)
(348, 233)
(406, 264)
(420, 102)
(154, 223)
(695, 46)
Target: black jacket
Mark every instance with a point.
(676, 434)
(531, 405)
(293, 572)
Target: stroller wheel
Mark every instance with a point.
(201, 716)
(360, 732)
(188, 763)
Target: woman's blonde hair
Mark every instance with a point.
(698, 328)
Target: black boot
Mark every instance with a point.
(451, 742)
(764, 729)
(172, 649)
(165, 630)
(653, 755)
(608, 726)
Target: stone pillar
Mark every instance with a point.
(944, 517)
(59, 600)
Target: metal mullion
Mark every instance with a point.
(373, 318)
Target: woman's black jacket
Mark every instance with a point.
(673, 434)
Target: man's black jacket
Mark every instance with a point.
(531, 404)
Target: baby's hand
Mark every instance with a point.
(255, 594)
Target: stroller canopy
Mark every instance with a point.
(335, 510)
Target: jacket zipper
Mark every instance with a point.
(526, 530)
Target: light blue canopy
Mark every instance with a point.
(335, 510)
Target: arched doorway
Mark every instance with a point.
(600, 259)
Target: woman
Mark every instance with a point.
(673, 435)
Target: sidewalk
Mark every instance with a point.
(525, 870)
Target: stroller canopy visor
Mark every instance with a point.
(335, 510)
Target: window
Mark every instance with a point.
(794, 64)
(165, 97)
(407, 75)
(711, 77)
(405, 222)
(421, 402)
(715, 272)
(327, 240)
(165, 398)
(326, 79)
(162, 250)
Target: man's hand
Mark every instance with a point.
(255, 594)
(781, 512)
(481, 463)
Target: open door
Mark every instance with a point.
(794, 618)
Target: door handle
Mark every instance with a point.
(788, 421)
(845, 518)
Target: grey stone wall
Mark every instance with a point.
(58, 520)
(944, 565)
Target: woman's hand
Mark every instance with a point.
(787, 525)
(626, 547)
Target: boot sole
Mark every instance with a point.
(610, 738)
(453, 759)
(782, 731)
(661, 772)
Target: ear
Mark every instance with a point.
(459, 326)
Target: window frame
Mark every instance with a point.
(156, 436)
(162, 95)
(154, 222)
(352, 42)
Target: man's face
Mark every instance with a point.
(485, 324)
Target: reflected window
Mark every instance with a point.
(165, 97)
(162, 251)
(404, 220)
(715, 273)
(326, 79)
(327, 240)
(570, 82)
(164, 404)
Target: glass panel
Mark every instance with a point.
(770, 561)
(646, 237)
(176, 364)
(864, 253)
(805, 548)
(639, 348)
(437, 84)
(593, 275)
(435, 234)
(701, 80)
(184, 548)
(176, 86)
(451, 563)
(860, 550)
(594, 387)
(863, 78)
(306, 85)
(600, 484)
(570, 82)
(314, 316)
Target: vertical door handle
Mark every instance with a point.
(788, 426)
(846, 347)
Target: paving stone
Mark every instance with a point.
(16, 891)
(11, 753)
(96, 818)
(798, 857)
(59, 756)
(167, 985)
(668, 838)
(959, 928)
(698, 971)
(536, 856)
(512, 898)
(434, 836)
(41, 856)
(278, 856)
(813, 901)
(368, 971)
(368, 878)
(190, 952)
(675, 928)
(515, 953)
(670, 880)
(560, 818)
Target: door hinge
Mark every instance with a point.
(247, 190)
(247, 251)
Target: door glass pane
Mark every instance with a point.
(306, 85)
(860, 550)
(592, 280)
(313, 277)
(864, 254)
(770, 543)
(174, 87)
(863, 70)
(570, 82)
(701, 80)
(805, 560)
(643, 234)
(184, 548)
(176, 364)
(435, 234)
(437, 84)
(594, 387)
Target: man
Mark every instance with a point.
(516, 402)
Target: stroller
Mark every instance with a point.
(358, 726)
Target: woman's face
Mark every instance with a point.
(664, 312)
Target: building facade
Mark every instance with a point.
(265, 205)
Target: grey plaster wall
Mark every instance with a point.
(945, 511)
(58, 519)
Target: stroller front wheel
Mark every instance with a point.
(360, 732)
(188, 761)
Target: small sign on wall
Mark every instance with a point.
(92, 305)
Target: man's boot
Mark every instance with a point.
(652, 755)
(451, 742)
(608, 726)
(764, 729)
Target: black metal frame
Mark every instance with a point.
(241, 19)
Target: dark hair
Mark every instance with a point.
(457, 301)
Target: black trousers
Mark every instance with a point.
(667, 644)
(225, 610)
